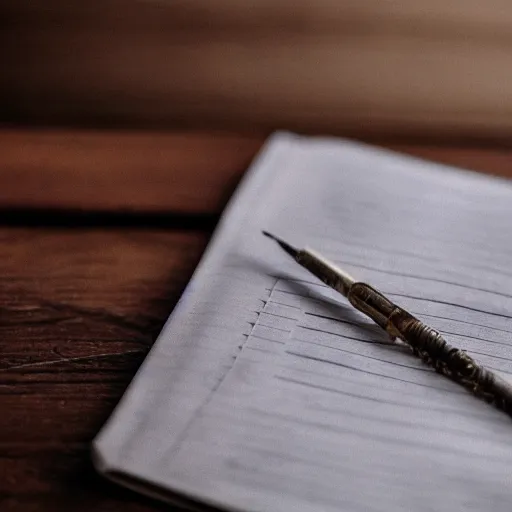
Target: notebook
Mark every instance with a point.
(267, 391)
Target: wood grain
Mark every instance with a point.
(156, 172)
(78, 313)
(436, 69)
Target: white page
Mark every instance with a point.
(267, 391)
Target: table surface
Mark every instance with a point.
(99, 233)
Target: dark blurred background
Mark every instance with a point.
(395, 69)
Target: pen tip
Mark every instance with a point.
(287, 247)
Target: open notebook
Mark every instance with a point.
(268, 392)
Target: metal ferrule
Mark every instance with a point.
(326, 271)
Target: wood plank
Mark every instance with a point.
(119, 170)
(156, 171)
(328, 15)
(355, 68)
(79, 310)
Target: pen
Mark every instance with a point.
(424, 341)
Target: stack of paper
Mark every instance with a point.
(268, 391)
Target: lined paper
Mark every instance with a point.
(267, 391)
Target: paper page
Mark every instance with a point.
(268, 391)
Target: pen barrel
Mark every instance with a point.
(452, 362)
(431, 347)
(372, 303)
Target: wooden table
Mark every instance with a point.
(99, 232)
